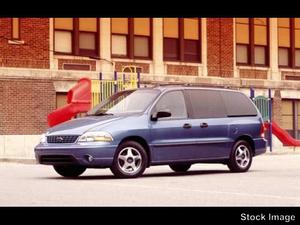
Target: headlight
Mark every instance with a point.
(43, 139)
(95, 136)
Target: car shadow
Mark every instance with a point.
(147, 175)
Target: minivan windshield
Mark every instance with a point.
(130, 101)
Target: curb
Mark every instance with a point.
(282, 153)
(16, 160)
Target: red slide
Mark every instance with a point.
(283, 135)
(79, 101)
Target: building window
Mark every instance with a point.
(182, 39)
(289, 42)
(63, 35)
(15, 28)
(120, 37)
(131, 38)
(88, 35)
(291, 117)
(287, 116)
(61, 99)
(76, 36)
(252, 41)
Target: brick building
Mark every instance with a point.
(42, 58)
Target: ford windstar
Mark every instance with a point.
(165, 125)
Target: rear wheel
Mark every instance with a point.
(180, 167)
(241, 157)
(130, 160)
(69, 170)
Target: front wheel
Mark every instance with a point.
(180, 167)
(241, 157)
(130, 160)
(69, 170)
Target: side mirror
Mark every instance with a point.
(160, 114)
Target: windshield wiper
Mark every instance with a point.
(102, 114)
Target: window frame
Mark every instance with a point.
(181, 40)
(251, 46)
(75, 33)
(130, 41)
(292, 49)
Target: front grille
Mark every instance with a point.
(57, 159)
(62, 138)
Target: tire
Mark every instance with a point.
(130, 160)
(240, 157)
(69, 170)
(180, 167)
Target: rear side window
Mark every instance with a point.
(206, 104)
(172, 102)
(238, 104)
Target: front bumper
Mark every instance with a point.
(87, 155)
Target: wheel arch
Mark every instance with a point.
(142, 142)
(248, 139)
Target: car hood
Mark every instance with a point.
(81, 125)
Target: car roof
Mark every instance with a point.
(187, 87)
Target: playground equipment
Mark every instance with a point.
(102, 89)
(88, 93)
(264, 105)
(79, 101)
(283, 135)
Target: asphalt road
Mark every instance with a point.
(274, 180)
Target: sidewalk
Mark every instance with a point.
(283, 150)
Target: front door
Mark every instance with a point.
(171, 138)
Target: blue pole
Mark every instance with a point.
(115, 83)
(252, 94)
(138, 79)
(100, 86)
(270, 119)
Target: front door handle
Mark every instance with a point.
(203, 125)
(187, 126)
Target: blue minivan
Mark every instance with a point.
(164, 125)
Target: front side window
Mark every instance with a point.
(131, 37)
(252, 41)
(182, 39)
(174, 103)
(76, 36)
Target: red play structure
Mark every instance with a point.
(283, 135)
(79, 101)
(264, 104)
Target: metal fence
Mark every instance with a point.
(262, 104)
(103, 89)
